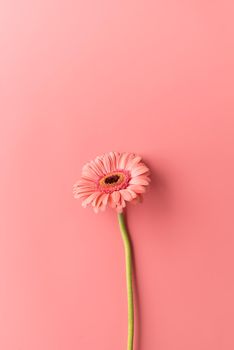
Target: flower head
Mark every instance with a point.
(112, 179)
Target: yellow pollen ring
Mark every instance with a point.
(121, 178)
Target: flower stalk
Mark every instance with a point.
(128, 262)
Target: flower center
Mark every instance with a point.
(111, 179)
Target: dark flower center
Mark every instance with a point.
(112, 179)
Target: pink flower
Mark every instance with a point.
(112, 179)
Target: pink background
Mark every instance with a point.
(79, 78)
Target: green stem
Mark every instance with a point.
(128, 260)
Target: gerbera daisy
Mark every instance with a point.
(112, 179)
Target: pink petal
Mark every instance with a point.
(82, 190)
(117, 155)
(115, 196)
(111, 202)
(100, 165)
(112, 160)
(126, 195)
(123, 203)
(99, 200)
(106, 162)
(87, 170)
(132, 162)
(89, 199)
(96, 167)
(124, 157)
(134, 195)
(139, 170)
(85, 189)
(79, 195)
(90, 169)
(84, 182)
(137, 188)
(94, 202)
(139, 180)
(105, 199)
(89, 176)
(82, 195)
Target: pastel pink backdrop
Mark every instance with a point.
(79, 78)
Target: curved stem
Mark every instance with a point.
(128, 260)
